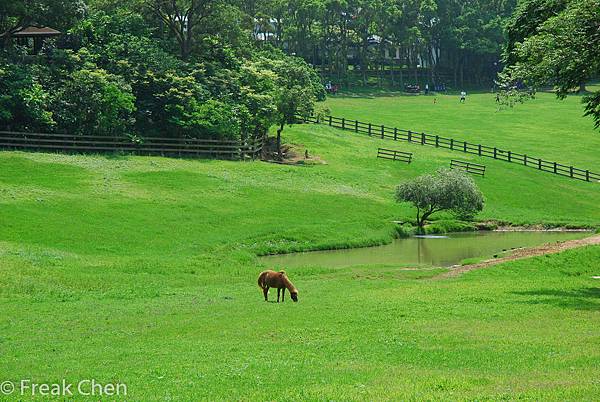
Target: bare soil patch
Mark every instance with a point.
(291, 154)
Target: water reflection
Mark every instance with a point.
(436, 251)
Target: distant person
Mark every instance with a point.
(426, 89)
(434, 101)
(463, 96)
(497, 98)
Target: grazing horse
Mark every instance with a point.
(279, 280)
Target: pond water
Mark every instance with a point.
(430, 250)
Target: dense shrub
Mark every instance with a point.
(94, 102)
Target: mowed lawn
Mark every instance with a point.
(143, 270)
(544, 127)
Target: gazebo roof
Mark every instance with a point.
(32, 32)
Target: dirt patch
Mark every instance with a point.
(518, 254)
(290, 154)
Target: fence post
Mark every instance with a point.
(555, 170)
(395, 133)
(409, 136)
(452, 144)
(539, 164)
(479, 149)
(356, 126)
(571, 171)
(437, 141)
(587, 175)
(465, 146)
(382, 132)
(509, 156)
(422, 138)
(495, 153)
(343, 123)
(330, 120)
(369, 129)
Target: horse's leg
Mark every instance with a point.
(278, 291)
(282, 295)
(266, 293)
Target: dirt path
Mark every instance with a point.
(550, 248)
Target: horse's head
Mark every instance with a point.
(294, 296)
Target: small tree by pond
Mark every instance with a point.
(447, 189)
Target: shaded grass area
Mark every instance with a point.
(143, 271)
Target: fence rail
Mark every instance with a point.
(396, 134)
(394, 155)
(468, 167)
(180, 147)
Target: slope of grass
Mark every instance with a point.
(143, 271)
(544, 127)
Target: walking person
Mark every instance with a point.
(463, 96)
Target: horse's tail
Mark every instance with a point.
(261, 280)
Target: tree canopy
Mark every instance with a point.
(447, 189)
(555, 43)
(151, 68)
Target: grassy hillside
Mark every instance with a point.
(143, 270)
(544, 127)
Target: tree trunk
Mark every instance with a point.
(582, 88)
(422, 218)
(279, 130)
(401, 78)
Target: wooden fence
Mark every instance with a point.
(394, 155)
(468, 167)
(175, 147)
(396, 134)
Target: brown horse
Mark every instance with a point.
(271, 279)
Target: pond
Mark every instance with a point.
(429, 250)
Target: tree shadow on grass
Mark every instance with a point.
(578, 299)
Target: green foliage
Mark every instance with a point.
(214, 119)
(24, 103)
(446, 190)
(559, 46)
(449, 226)
(430, 37)
(94, 102)
(116, 55)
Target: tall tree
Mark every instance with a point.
(183, 17)
(556, 42)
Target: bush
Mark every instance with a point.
(94, 102)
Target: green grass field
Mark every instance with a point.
(543, 128)
(143, 270)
